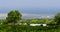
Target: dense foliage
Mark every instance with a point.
(57, 18)
(18, 28)
(14, 20)
(13, 16)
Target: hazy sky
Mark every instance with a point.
(31, 6)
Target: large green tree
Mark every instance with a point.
(13, 16)
(57, 18)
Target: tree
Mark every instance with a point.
(51, 23)
(46, 20)
(13, 16)
(34, 21)
(22, 22)
(57, 18)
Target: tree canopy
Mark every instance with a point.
(13, 16)
(57, 18)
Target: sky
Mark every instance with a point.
(30, 6)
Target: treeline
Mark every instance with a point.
(10, 24)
